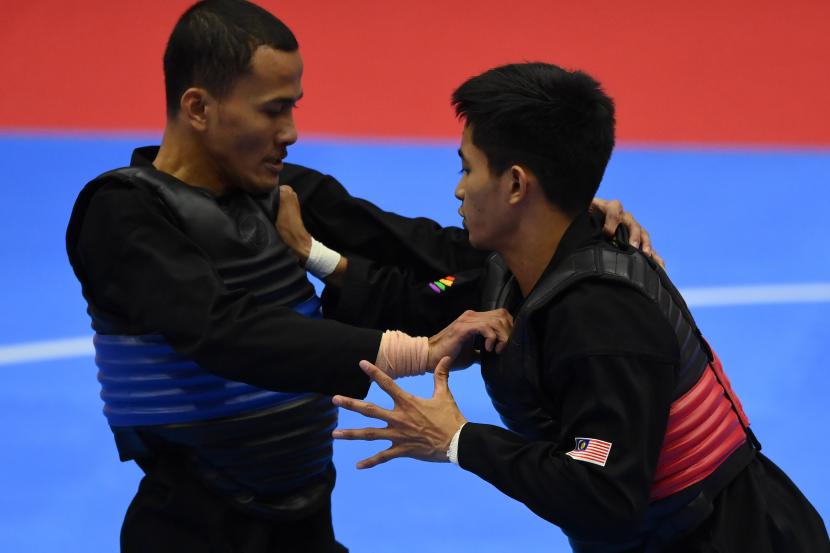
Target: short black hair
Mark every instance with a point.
(212, 44)
(559, 124)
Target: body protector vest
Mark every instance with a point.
(706, 422)
(266, 452)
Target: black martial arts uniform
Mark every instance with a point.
(144, 273)
(602, 364)
(607, 366)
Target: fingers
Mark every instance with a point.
(495, 326)
(383, 380)
(286, 192)
(501, 326)
(645, 242)
(613, 212)
(501, 319)
(500, 346)
(289, 202)
(442, 377)
(615, 215)
(363, 407)
(290, 226)
(658, 259)
(635, 231)
(639, 237)
(488, 344)
(491, 336)
(367, 434)
(505, 322)
(379, 458)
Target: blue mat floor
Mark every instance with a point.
(721, 218)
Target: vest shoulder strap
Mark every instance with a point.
(612, 261)
(625, 265)
(172, 191)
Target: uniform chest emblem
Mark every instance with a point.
(442, 284)
(253, 231)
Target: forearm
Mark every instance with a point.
(354, 226)
(382, 297)
(388, 268)
(270, 347)
(277, 349)
(148, 277)
(619, 400)
(555, 487)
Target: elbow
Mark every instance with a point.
(620, 525)
(616, 516)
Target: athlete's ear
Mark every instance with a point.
(519, 181)
(195, 106)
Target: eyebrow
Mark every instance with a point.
(285, 99)
(461, 155)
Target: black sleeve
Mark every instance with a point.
(611, 379)
(392, 260)
(388, 297)
(137, 266)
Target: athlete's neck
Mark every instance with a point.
(184, 158)
(534, 244)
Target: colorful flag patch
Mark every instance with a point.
(590, 450)
(442, 284)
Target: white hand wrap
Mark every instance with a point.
(322, 261)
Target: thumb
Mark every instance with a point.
(442, 377)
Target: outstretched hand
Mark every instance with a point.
(615, 216)
(419, 428)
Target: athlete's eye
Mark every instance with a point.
(275, 110)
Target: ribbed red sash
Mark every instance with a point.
(703, 430)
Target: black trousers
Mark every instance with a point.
(182, 516)
(761, 511)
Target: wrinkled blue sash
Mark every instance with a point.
(144, 382)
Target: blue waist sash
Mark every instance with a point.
(144, 382)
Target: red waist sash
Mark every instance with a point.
(705, 427)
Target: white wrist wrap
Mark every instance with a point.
(452, 452)
(322, 261)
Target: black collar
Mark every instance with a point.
(144, 156)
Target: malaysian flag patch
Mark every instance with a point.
(590, 450)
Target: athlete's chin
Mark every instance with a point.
(478, 242)
(263, 184)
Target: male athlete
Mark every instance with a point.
(214, 363)
(623, 428)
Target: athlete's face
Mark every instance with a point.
(484, 197)
(252, 126)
